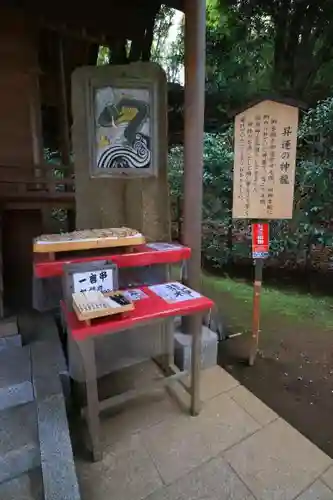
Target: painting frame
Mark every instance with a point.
(118, 83)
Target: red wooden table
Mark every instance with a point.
(147, 310)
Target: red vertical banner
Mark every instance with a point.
(260, 240)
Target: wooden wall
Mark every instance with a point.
(20, 143)
(19, 91)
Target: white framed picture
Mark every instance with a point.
(174, 292)
(99, 280)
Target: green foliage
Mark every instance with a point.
(168, 53)
(176, 172)
(217, 177)
(163, 23)
(239, 54)
(318, 123)
(314, 175)
(217, 190)
(301, 37)
(312, 223)
(254, 46)
(103, 56)
(235, 298)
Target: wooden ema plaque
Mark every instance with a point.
(264, 161)
(93, 305)
(88, 239)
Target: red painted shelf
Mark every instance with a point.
(147, 309)
(142, 255)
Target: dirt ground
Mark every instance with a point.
(293, 373)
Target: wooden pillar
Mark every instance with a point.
(20, 145)
(195, 41)
(65, 149)
(20, 138)
(195, 19)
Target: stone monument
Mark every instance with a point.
(120, 148)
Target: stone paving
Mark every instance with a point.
(36, 457)
(236, 449)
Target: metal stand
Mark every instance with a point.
(256, 310)
(87, 350)
(94, 406)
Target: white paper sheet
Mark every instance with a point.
(174, 292)
(101, 280)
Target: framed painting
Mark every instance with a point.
(120, 119)
(123, 133)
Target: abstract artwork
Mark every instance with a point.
(123, 128)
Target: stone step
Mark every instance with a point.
(49, 370)
(19, 444)
(8, 327)
(10, 341)
(41, 332)
(183, 349)
(15, 377)
(57, 462)
(27, 486)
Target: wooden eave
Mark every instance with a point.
(112, 19)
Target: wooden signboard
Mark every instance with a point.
(264, 161)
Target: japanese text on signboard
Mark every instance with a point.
(101, 281)
(264, 164)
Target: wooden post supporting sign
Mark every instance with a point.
(256, 310)
(264, 175)
(260, 251)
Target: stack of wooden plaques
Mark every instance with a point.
(94, 304)
(87, 239)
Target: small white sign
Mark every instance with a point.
(174, 292)
(135, 294)
(98, 280)
(162, 247)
